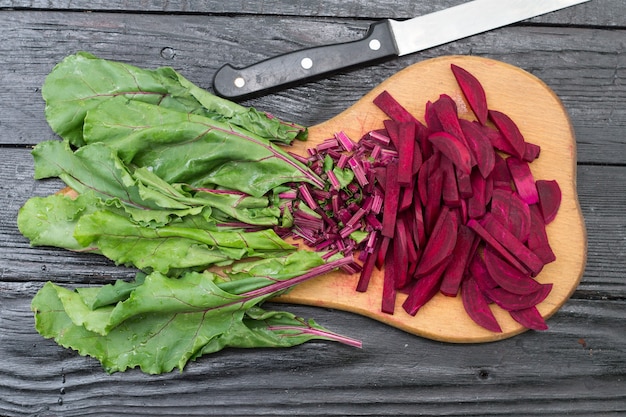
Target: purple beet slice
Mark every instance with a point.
(473, 91)
(529, 318)
(477, 307)
(508, 277)
(549, 199)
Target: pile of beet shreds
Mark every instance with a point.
(448, 206)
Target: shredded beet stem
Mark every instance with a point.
(449, 205)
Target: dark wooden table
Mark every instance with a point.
(577, 367)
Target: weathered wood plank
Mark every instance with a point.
(575, 368)
(592, 90)
(612, 12)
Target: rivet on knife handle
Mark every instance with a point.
(304, 64)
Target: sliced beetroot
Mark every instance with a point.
(523, 180)
(392, 199)
(512, 244)
(538, 238)
(461, 255)
(388, 302)
(440, 243)
(392, 108)
(429, 166)
(406, 198)
(529, 318)
(531, 152)
(454, 148)
(446, 111)
(392, 131)
(477, 307)
(432, 121)
(473, 91)
(381, 253)
(424, 288)
(464, 184)
(480, 146)
(368, 268)
(420, 131)
(421, 135)
(401, 257)
(513, 213)
(510, 132)
(405, 234)
(497, 246)
(435, 222)
(419, 229)
(433, 207)
(450, 189)
(498, 141)
(478, 270)
(507, 276)
(510, 301)
(549, 199)
(477, 203)
(500, 174)
(406, 150)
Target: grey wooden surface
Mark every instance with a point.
(577, 367)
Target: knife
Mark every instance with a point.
(384, 39)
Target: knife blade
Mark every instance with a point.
(384, 39)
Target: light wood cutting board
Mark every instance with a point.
(542, 120)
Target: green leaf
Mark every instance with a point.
(50, 221)
(249, 118)
(96, 297)
(191, 149)
(82, 81)
(162, 323)
(96, 168)
(279, 267)
(155, 342)
(344, 176)
(171, 247)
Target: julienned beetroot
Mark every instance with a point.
(448, 206)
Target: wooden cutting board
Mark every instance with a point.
(542, 120)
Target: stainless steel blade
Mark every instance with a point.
(467, 19)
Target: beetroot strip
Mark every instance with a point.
(491, 241)
(512, 244)
(392, 199)
(463, 250)
(390, 106)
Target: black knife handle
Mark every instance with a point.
(230, 82)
